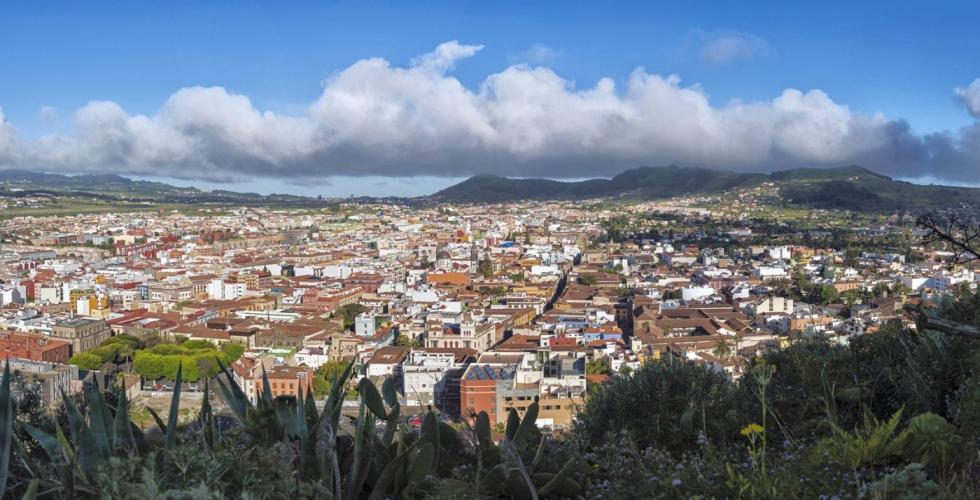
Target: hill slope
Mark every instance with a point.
(849, 188)
(643, 182)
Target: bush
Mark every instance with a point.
(162, 360)
(663, 403)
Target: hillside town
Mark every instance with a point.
(467, 308)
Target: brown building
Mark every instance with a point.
(33, 347)
(256, 280)
(82, 333)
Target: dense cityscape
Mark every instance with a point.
(489, 250)
(461, 308)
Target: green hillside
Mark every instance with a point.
(845, 188)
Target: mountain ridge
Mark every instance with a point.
(850, 187)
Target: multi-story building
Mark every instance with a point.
(53, 378)
(432, 377)
(287, 380)
(33, 347)
(82, 333)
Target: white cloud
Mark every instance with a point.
(720, 47)
(537, 54)
(444, 57)
(48, 113)
(373, 118)
(970, 97)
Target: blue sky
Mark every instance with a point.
(900, 59)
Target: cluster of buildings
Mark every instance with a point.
(468, 308)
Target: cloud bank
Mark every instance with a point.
(374, 118)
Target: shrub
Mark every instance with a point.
(663, 403)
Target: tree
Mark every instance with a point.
(325, 376)
(485, 268)
(86, 361)
(959, 231)
(828, 294)
(405, 341)
(348, 312)
(587, 279)
(722, 350)
(598, 366)
(234, 350)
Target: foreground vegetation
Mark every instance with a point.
(892, 415)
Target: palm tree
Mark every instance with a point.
(722, 350)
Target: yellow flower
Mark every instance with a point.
(750, 429)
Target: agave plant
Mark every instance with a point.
(506, 473)
(339, 459)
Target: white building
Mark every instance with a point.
(696, 293)
(769, 272)
(364, 325)
(424, 376)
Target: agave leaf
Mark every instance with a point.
(206, 418)
(495, 478)
(513, 422)
(266, 389)
(310, 407)
(232, 393)
(359, 469)
(387, 478)
(372, 398)
(6, 427)
(483, 428)
(50, 444)
(326, 447)
(422, 463)
(559, 480)
(335, 400)
(519, 484)
(538, 455)
(429, 433)
(31, 493)
(159, 421)
(171, 440)
(87, 450)
(65, 445)
(122, 430)
(389, 391)
(524, 429)
(98, 421)
(21, 453)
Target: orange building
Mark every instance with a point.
(447, 278)
(33, 347)
(287, 380)
(478, 388)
